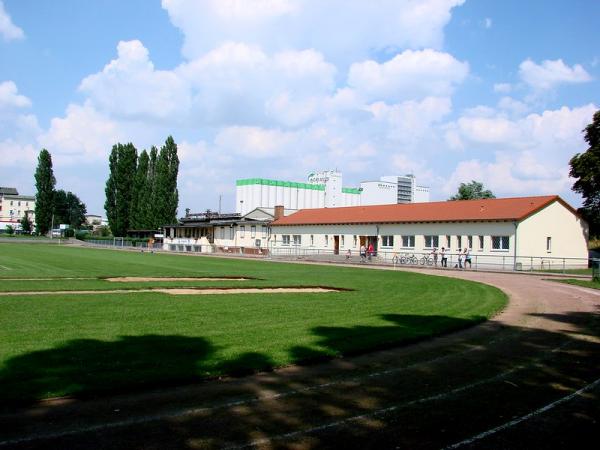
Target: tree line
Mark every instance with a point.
(141, 192)
(51, 205)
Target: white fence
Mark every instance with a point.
(504, 262)
(501, 262)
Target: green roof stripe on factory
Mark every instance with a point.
(266, 182)
(351, 190)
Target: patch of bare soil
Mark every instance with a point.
(183, 291)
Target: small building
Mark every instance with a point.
(13, 207)
(210, 232)
(524, 233)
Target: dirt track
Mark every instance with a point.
(528, 379)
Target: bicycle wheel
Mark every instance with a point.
(403, 260)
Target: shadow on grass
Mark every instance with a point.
(404, 329)
(88, 367)
(541, 365)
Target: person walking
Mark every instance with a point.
(434, 253)
(467, 254)
(370, 251)
(444, 258)
(461, 257)
(363, 253)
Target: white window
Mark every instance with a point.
(253, 231)
(408, 241)
(342, 240)
(459, 242)
(500, 242)
(312, 240)
(264, 231)
(448, 241)
(326, 240)
(470, 242)
(354, 240)
(432, 241)
(549, 244)
(297, 239)
(480, 243)
(242, 231)
(222, 232)
(285, 239)
(387, 241)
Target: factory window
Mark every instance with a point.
(387, 241)
(231, 232)
(459, 242)
(342, 240)
(297, 239)
(549, 244)
(326, 240)
(354, 240)
(480, 243)
(448, 241)
(285, 239)
(470, 242)
(312, 240)
(253, 231)
(242, 231)
(222, 232)
(263, 229)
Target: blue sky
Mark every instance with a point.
(449, 90)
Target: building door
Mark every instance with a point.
(363, 241)
(336, 245)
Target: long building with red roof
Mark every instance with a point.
(526, 232)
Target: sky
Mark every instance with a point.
(449, 90)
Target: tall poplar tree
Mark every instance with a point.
(150, 208)
(119, 187)
(44, 197)
(167, 195)
(140, 195)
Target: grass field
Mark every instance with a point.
(87, 344)
(584, 283)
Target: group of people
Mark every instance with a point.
(464, 258)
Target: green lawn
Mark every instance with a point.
(584, 283)
(54, 345)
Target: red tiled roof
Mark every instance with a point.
(499, 209)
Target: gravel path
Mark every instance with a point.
(530, 378)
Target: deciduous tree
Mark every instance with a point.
(585, 168)
(471, 191)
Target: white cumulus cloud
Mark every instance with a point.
(551, 73)
(409, 75)
(10, 97)
(8, 29)
(130, 87)
(343, 30)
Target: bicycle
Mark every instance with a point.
(426, 260)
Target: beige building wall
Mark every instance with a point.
(567, 232)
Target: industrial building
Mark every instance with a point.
(325, 190)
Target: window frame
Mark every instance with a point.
(501, 239)
(410, 239)
(434, 241)
(387, 241)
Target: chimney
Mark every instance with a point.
(278, 212)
